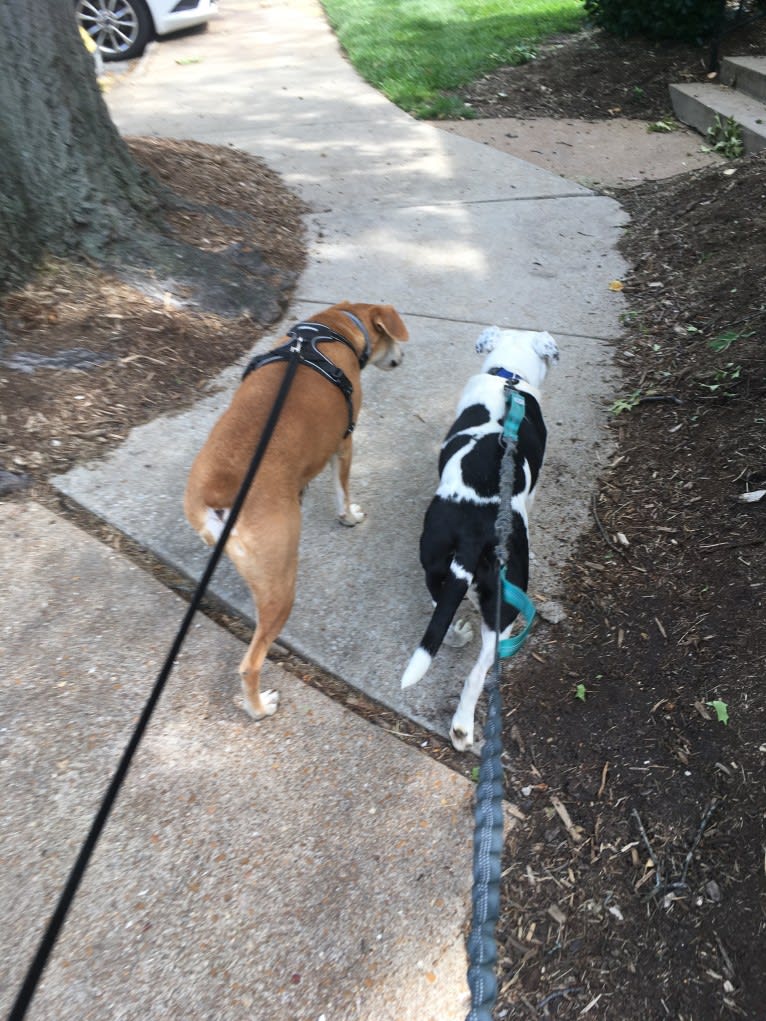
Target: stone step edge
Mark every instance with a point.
(746, 75)
(697, 105)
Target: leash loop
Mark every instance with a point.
(519, 599)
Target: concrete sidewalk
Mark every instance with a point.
(310, 866)
(456, 236)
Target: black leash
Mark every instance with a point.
(40, 960)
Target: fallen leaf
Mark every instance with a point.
(721, 710)
(616, 285)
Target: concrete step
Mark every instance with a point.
(746, 74)
(697, 106)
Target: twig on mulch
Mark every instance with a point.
(601, 528)
(669, 885)
(650, 850)
(660, 399)
(705, 819)
(557, 994)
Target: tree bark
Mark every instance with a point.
(68, 184)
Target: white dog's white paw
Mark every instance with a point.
(546, 347)
(269, 704)
(459, 634)
(353, 516)
(461, 733)
(487, 339)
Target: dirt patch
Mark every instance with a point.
(593, 75)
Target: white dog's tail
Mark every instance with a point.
(450, 598)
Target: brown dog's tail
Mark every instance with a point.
(450, 598)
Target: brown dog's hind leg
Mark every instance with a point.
(271, 620)
(270, 572)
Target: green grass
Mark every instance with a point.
(417, 52)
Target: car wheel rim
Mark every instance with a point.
(111, 24)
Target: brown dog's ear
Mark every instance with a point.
(386, 319)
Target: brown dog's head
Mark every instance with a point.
(385, 329)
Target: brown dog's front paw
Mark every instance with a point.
(353, 516)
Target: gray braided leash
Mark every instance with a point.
(487, 851)
(488, 813)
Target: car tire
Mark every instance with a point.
(120, 28)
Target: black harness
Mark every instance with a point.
(304, 338)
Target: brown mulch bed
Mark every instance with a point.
(647, 899)
(667, 616)
(139, 353)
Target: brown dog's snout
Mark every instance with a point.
(395, 357)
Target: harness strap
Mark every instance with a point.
(304, 339)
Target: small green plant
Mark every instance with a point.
(724, 379)
(626, 318)
(725, 137)
(721, 710)
(663, 127)
(724, 340)
(521, 53)
(626, 403)
(475, 774)
(580, 692)
(443, 108)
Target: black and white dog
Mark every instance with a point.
(457, 547)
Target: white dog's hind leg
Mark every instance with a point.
(461, 731)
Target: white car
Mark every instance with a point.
(122, 28)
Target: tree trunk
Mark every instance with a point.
(68, 184)
(70, 188)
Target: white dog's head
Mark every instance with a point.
(525, 352)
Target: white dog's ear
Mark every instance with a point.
(545, 346)
(487, 340)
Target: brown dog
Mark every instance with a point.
(314, 427)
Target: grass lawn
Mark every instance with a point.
(417, 51)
